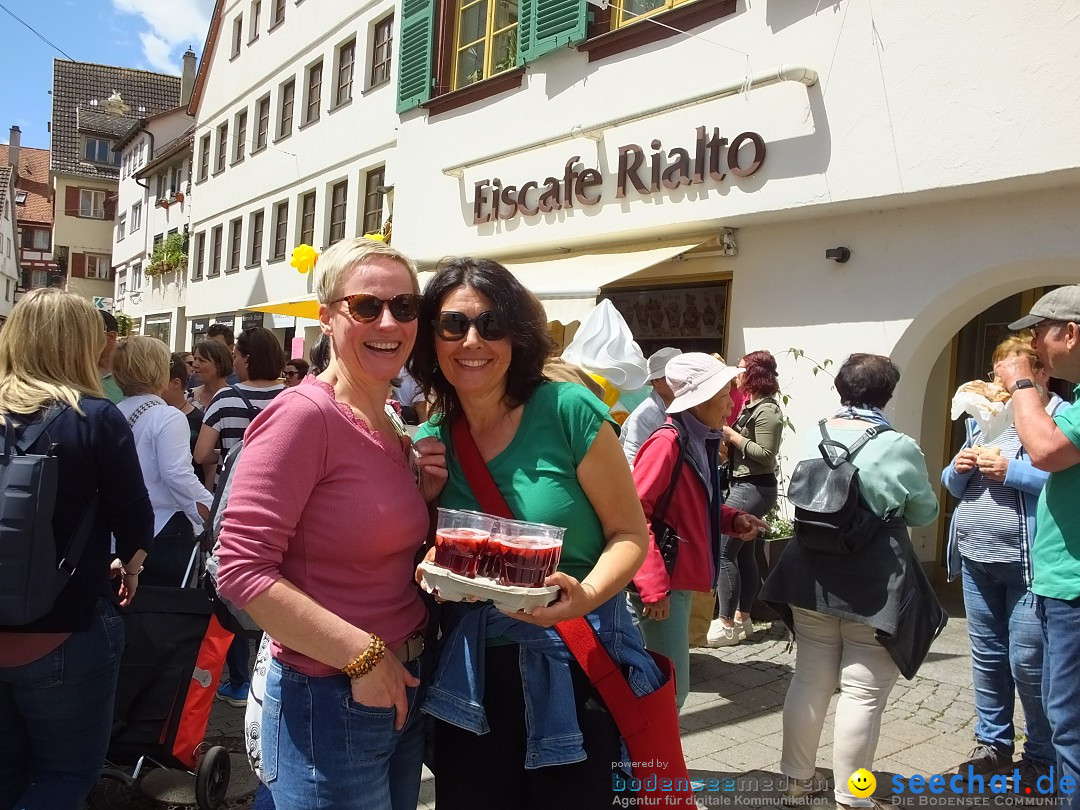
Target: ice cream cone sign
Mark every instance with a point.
(605, 348)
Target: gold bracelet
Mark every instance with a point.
(367, 660)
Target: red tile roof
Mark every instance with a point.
(34, 180)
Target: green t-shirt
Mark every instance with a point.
(1055, 554)
(112, 390)
(537, 472)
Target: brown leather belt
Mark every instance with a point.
(411, 648)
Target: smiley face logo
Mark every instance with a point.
(861, 783)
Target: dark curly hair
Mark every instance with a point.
(759, 380)
(867, 379)
(519, 312)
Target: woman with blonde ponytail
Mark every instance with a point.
(58, 673)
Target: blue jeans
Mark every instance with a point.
(56, 714)
(1061, 684)
(1006, 651)
(322, 751)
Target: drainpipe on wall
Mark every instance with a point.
(595, 132)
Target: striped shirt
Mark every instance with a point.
(229, 415)
(989, 526)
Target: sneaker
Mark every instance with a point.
(798, 790)
(986, 759)
(722, 636)
(1030, 771)
(234, 695)
(748, 627)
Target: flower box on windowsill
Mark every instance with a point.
(178, 196)
(162, 203)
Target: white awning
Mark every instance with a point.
(568, 285)
(582, 275)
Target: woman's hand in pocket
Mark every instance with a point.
(384, 687)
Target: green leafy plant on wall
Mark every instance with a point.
(124, 322)
(170, 254)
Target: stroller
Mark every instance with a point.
(168, 673)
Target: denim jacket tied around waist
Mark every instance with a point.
(456, 695)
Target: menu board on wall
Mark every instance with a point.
(691, 315)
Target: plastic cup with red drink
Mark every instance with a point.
(529, 552)
(461, 537)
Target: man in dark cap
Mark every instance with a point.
(1053, 444)
(112, 390)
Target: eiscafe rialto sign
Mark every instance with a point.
(710, 158)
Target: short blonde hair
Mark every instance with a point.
(49, 351)
(338, 262)
(141, 366)
(1017, 344)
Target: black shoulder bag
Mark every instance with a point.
(667, 541)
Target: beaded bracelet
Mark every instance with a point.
(367, 660)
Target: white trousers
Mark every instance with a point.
(831, 651)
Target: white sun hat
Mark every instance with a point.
(696, 377)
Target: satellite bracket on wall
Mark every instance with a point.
(599, 3)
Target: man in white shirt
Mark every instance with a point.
(651, 413)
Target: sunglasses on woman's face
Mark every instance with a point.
(366, 308)
(450, 325)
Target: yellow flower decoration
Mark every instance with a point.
(375, 237)
(304, 258)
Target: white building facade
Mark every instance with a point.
(699, 179)
(152, 205)
(295, 119)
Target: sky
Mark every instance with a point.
(145, 34)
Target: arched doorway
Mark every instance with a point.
(949, 343)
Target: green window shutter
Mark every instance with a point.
(415, 55)
(546, 25)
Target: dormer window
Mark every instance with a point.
(99, 150)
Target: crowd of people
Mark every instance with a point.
(368, 675)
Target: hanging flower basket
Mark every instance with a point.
(179, 196)
(162, 203)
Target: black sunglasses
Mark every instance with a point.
(366, 308)
(450, 325)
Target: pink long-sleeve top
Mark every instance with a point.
(330, 505)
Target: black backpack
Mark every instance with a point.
(830, 515)
(235, 620)
(30, 577)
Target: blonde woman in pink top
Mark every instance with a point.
(319, 542)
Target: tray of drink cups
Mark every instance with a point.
(481, 557)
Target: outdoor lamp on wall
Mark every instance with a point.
(838, 254)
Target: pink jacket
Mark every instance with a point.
(688, 514)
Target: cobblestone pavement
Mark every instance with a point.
(732, 724)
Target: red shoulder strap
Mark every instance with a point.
(577, 634)
(476, 471)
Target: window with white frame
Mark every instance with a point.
(20, 197)
(136, 217)
(339, 195)
(262, 128)
(121, 227)
(241, 136)
(39, 279)
(97, 266)
(313, 97)
(204, 157)
(136, 277)
(285, 108)
(91, 203)
(253, 20)
(381, 51)
(99, 150)
(346, 57)
(278, 15)
(237, 35)
(256, 237)
(200, 262)
(281, 225)
(222, 147)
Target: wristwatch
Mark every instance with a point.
(1016, 386)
